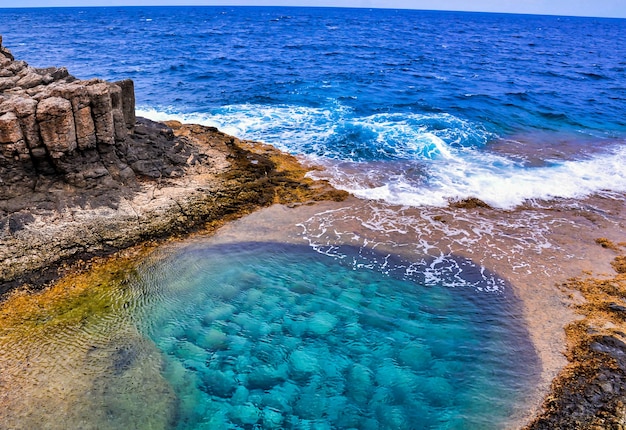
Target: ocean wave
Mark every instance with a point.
(411, 159)
(494, 179)
(335, 131)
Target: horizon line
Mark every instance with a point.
(315, 7)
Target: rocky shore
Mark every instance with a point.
(590, 393)
(81, 176)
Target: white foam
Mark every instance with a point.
(421, 159)
(498, 181)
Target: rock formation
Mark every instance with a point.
(52, 123)
(81, 176)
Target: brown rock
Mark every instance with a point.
(85, 128)
(56, 123)
(81, 105)
(8, 82)
(119, 123)
(30, 79)
(17, 66)
(11, 139)
(102, 111)
(4, 52)
(26, 109)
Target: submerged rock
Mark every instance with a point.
(303, 362)
(217, 383)
(266, 377)
(247, 414)
(321, 323)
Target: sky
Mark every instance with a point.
(596, 8)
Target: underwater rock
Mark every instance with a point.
(252, 327)
(301, 287)
(247, 414)
(296, 326)
(310, 405)
(437, 390)
(240, 396)
(213, 340)
(321, 323)
(188, 351)
(392, 417)
(359, 382)
(416, 356)
(272, 418)
(351, 298)
(252, 298)
(226, 291)
(222, 311)
(303, 362)
(266, 377)
(281, 397)
(217, 383)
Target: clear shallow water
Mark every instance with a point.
(278, 336)
(407, 107)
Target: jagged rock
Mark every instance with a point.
(8, 82)
(5, 52)
(31, 79)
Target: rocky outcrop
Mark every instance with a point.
(81, 176)
(52, 123)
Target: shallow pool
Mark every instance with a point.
(265, 335)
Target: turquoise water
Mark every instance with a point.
(261, 335)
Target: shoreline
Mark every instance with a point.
(91, 185)
(296, 193)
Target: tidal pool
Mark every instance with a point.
(268, 336)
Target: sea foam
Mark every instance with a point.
(412, 159)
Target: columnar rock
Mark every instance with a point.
(55, 123)
(102, 110)
(128, 101)
(119, 123)
(12, 143)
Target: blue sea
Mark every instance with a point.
(409, 107)
(380, 314)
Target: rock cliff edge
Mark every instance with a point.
(80, 175)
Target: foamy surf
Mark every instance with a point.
(412, 159)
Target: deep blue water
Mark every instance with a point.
(447, 105)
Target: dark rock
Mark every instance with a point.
(128, 101)
(618, 308)
(591, 396)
